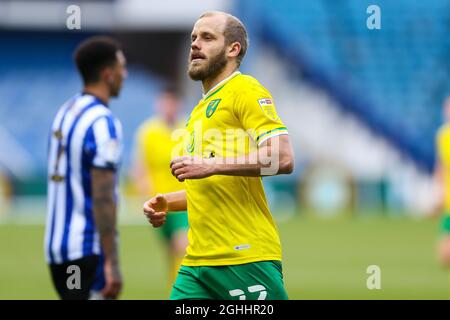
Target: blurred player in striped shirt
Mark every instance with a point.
(84, 154)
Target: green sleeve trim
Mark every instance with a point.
(270, 131)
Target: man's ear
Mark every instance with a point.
(106, 75)
(234, 49)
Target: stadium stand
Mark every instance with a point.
(35, 84)
(392, 81)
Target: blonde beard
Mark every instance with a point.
(213, 68)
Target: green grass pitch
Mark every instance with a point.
(322, 260)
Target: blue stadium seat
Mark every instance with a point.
(36, 85)
(394, 79)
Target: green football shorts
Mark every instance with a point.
(445, 223)
(175, 222)
(261, 280)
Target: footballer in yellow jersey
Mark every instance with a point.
(154, 149)
(233, 137)
(230, 219)
(442, 178)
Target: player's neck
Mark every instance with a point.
(99, 91)
(210, 83)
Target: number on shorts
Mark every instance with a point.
(256, 288)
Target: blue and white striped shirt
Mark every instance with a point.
(84, 134)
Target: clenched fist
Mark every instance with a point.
(155, 210)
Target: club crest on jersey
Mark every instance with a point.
(268, 108)
(191, 143)
(212, 106)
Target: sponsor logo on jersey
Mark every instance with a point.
(268, 108)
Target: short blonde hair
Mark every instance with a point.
(234, 32)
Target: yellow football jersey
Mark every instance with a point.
(443, 146)
(155, 145)
(230, 222)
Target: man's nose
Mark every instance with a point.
(195, 44)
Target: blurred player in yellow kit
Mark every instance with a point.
(233, 138)
(151, 172)
(442, 179)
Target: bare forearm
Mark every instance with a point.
(176, 201)
(267, 160)
(237, 167)
(105, 212)
(106, 226)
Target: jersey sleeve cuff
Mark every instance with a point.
(270, 134)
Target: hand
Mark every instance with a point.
(155, 210)
(113, 280)
(191, 168)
